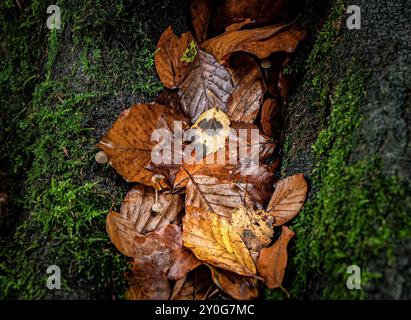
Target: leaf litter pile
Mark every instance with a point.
(195, 228)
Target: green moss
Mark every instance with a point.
(57, 215)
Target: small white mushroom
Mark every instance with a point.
(157, 178)
(265, 64)
(101, 157)
(157, 207)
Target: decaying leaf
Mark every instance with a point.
(260, 11)
(147, 282)
(235, 161)
(184, 261)
(288, 198)
(208, 86)
(273, 260)
(170, 65)
(254, 226)
(195, 286)
(213, 240)
(137, 208)
(211, 131)
(200, 17)
(128, 144)
(260, 42)
(270, 113)
(239, 287)
(246, 98)
(219, 197)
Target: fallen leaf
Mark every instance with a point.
(273, 260)
(210, 131)
(260, 11)
(200, 18)
(260, 42)
(234, 161)
(147, 282)
(207, 86)
(213, 240)
(137, 208)
(184, 261)
(254, 226)
(168, 58)
(288, 198)
(285, 84)
(269, 115)
(219, 197)
(128, 144)
(195, 286)
(247, 96)
(237, 286)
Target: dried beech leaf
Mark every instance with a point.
(213, 240)
(260, 11)
(231, 162)
(273, 260)
(288, 198)
(147, 282)
(184, 262)
(128, 143)
(211, 130)
(237, 286)
(247, 96)
(238, 25)
(269, 113)
(168, 57)
(219, 197)
(207, 86)
(137, 206)
(254, 226)
(260, 42)
(195, 286)
(200, 17)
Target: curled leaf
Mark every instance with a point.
(273, 260)
(260, 42)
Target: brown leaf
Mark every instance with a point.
(168, 58)
(213, 240)
(185, 261)
(273, 260)
(208, 86)
(254, 226)
(128, 143)
(285, 84)
(147, 282)
(137, 206)
(230, 163)
(200, 17)
(246, 98)
(288, 198)
(269, 114)
(239, 287)
(219, 197)
(260, 11)
(195, 286)
(260, 42)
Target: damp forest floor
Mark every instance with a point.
(61, 90)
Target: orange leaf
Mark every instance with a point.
(260, 42)
(269, 112)
(170, 49)
(128, 143)
(288, 198)
(273, 260)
